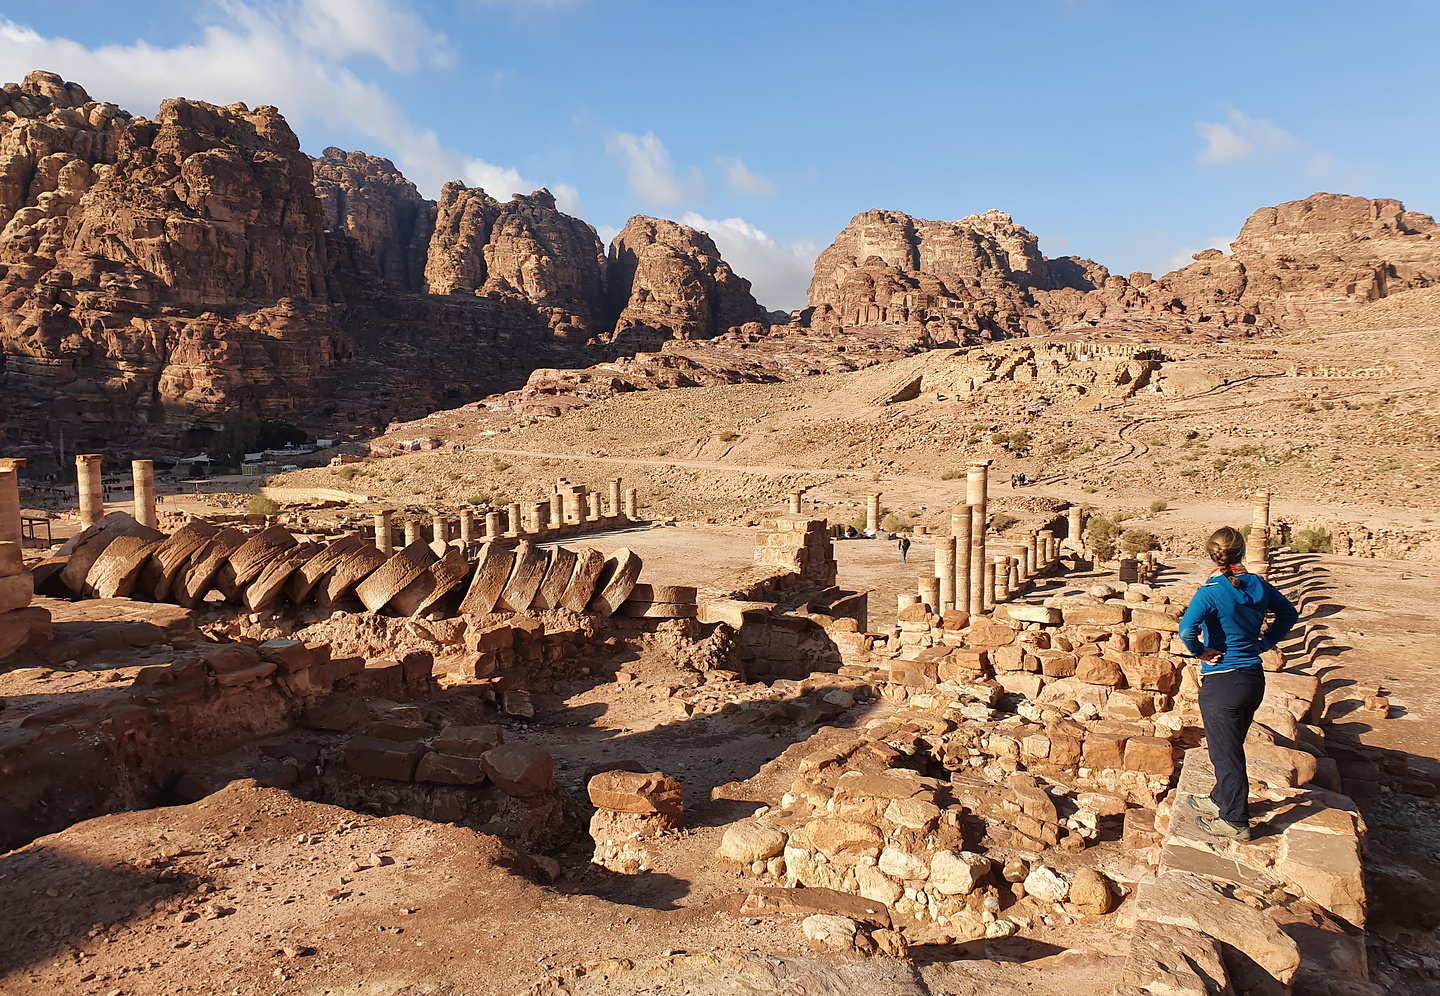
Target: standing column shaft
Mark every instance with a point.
(467, 526)
(929, 590)
(593, 502)
(632, 504)
(1032, 555)
(512, 520)
(794, 503)
(1257, 548)
(89, 489)
(960, 529)
(987, 576)
(538, 511)
(1018, 571)
(10, 505)
(383, 539)
(1002, 579)
(142, 472)
(1077, 526)
(614, 507)
(977, 483)
(945, 571)
(1044, 553)
(557, 509)
(412, 531)
(439, 530)
(872, 513)
(492, 527)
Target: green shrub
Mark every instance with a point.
(1158, 505)
(260, 505)
(952, 475)
(661, 453)
(1100, 534)
(1220, 465)
(500, 466)
(892, 524)
(347, 472)
(1135, 541)
(1002, 521)
(1311, 541)
(478, 499)
(727, 437)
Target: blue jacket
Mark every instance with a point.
(1232, 619)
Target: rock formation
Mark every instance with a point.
(667, 281)
(365, 198)
(523, 248)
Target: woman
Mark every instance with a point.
(1231, 607)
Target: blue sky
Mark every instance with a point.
(1132, 133)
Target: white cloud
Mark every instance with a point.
(1242, 138)
(567, 199)
(779, 274)
(607, 233)
(651, 173)
(290, 53)
(739, 178)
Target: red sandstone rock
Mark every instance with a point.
(636, 792)
(520, 770)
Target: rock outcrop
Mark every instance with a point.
(523, 248)
(667, 281)
(365, 198)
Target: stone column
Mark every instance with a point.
(1257, 548)
(1018, 574)
(383, 538)
(538, 511)
(960, 530)
(89, 488)
(571, 500)
(412, 531)
(492, 527)
(945, 571)
(872, 513)
(439, 529)
(613, 508)
(10, 505)
(1016, 581)
(1001, 566)
(977, 480)
(904, 601)
(1077, 528)
(1032, 555)
(632, 504)
(987, 579)
(592, 502)
(1046, 552)
(467, 526)
(929, 591)
(142, 472)
(795, 497)
(557, 510)
(512, 520)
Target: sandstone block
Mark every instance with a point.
(336, 711)
(1149, 672)
(658, 610)
(1096, 615)
(517, 702)
(1127, 703)
(830, 933)
(356, 566)
(989, 637)
(16, 591)
(621, 572)
(372, 757)
(1184, 900)
(248, 561)
(874, 884)
(1021, 683)
(86, 546)
(520, 770)
(558, 572)
(525, 578)
(956, 619)
(917, 613)
(1326, 868)
(493, 568)
(1139, 831)
(1145, 641)
(449, 769)
(12, 559)
(116, 571)
(1104, 750)
(678, 593)
(21, 628)
(903, 865)
(1056, 663)
(1161, 622)
(588, 568)
(195, 579)
(1046, 886)
(1094, 670)
(270, 583)
(433, 583)
(1011, 658)
(1091, 892)
(919, 815)
(746, 843)
(1043, 614)
(292, 655)
(957, 874)
(469, 741)
(804, 902)
(1168, 959)
(307, 578)
(636, 792)
(1150, 755)
(379, 588)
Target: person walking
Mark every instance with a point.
(1230, 610)
(904, 547)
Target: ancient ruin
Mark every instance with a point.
(588, 628)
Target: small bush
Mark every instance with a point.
(478, 500)
(662, 453)
(1220, 465)
(1158, 505)
(500, 466)
(1002, 521)
(892, 524)
(348, 472)
(1135, 541)
(1311, 541)
(727, 437)
(260, 505)
(1100, 534)
(952, 475)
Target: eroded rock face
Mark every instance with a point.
(365, 198)
(667, 281)
(524, 248)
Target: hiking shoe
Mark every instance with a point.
(1224, 829)
(1203, 805)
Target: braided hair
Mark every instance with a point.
(1226, 546)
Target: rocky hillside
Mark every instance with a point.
(984, 276)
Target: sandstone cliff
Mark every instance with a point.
(365, 198)
(526, 248)
(667, 281)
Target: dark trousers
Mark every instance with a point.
(1228, 701)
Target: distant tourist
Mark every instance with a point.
(904, 547)
(1229, 610)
